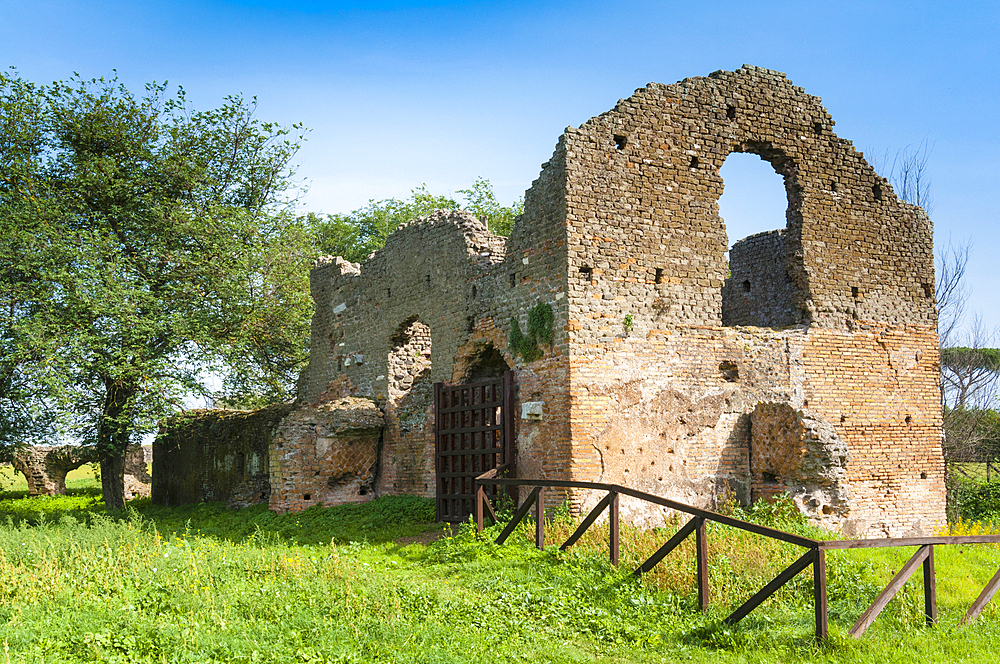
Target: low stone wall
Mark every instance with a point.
(215, 455)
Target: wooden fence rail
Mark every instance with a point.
(815, 554)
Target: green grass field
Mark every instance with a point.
(203, 583)
(977, 471)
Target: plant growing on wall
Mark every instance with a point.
(539, 331)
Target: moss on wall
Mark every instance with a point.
(215, 455)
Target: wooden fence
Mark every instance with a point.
(814, 555)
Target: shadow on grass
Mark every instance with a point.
(382, 520)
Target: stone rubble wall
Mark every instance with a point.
(45, 468)
(758, 291)
(325, 453)
(798, 453)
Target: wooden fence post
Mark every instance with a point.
(701, 546)
(819, 593)
(613, 525)
(930, 588)
(480, 495)
(540, 519)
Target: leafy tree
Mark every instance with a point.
(356, 235)
(970, 374)
(143, 242)
(970, 377)
(29, 367)
(481, 201)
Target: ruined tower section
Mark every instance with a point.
(759, 291)
(391, 327)
(834, 312)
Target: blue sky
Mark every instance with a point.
(402, 93)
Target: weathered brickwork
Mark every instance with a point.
(879, 387)
(325, 454)
(808, 364)
(758, 291)
(431, 306)
(646, 267)
(795, 452)
(45, 468)
(645, 176)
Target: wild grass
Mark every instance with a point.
(208, 584)
(975, 470)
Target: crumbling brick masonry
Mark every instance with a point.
(807, 364)
(325, 453)
(670, 370)
(215, 455)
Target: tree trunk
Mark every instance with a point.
(113, 481)
(113, 435)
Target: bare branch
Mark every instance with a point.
(951, 289)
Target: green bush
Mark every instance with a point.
(978, 500)
(540, 321)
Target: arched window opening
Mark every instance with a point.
(753, 200)
(487, 362)
(754, 209)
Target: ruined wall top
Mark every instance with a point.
(424, 272)
(623, 224)
(644, 235)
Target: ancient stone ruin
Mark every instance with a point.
(45, 468)
(808, 364)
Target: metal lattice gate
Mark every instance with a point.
(473, 433)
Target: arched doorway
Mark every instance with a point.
(473, 433)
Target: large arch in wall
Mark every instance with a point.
(642, 186)
(766, 281)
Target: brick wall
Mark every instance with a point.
(879, 387)
(648, 381)
(214, 455)
(325, 453)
